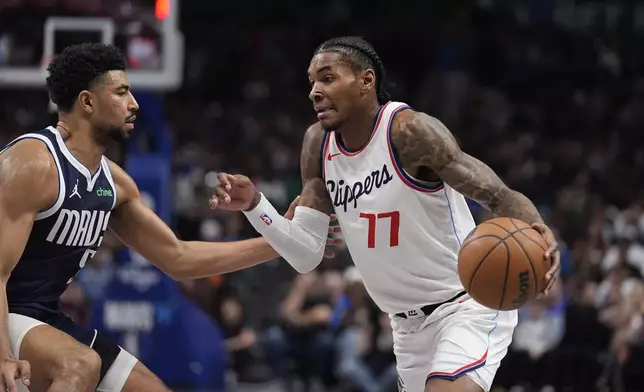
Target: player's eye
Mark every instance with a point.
(328, 79)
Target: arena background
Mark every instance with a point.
(548, 92)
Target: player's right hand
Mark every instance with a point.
(553, 254)
(12, 370)
(234, 192)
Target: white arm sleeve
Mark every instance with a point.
(300, 242)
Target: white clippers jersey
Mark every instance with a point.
(403, 236)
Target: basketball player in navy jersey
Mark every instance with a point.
(58, 195)
(397, 181)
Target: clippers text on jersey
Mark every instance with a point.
(343, 194)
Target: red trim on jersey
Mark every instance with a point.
(373, 133)
(399, 170)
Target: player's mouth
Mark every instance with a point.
(129, 123)
(323, 113)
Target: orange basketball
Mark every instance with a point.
(501, 263)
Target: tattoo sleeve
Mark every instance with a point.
(314, 194)
(423, 141)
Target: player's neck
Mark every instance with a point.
(359, 128)
(80, 141)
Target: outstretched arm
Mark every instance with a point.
(142, 230)
(423, 141)
(300, 242)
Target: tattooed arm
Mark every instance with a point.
(314, 194)
(301, 241)
(422, 141)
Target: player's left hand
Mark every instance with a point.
(552, 254)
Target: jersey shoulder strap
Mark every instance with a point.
(61, 177)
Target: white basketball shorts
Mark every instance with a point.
(115, 377)
(459, 338)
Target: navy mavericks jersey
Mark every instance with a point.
(64, 236)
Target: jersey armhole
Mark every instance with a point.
(110, 179)
(51, 210)
(395, 160)
(323, 151)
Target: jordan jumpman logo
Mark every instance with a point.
(75, 191)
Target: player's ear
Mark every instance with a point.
(368, 80)
(85, 101)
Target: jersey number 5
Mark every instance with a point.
(394, 227)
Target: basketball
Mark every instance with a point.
(501, 263)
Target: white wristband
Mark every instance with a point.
(300, 242)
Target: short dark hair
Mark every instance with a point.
(77, 68)
(361, 55)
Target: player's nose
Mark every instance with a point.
(133, 105)
(315, 95)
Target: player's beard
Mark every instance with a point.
(333, 124)
(331, 127)
(118, 135)
(112, 134)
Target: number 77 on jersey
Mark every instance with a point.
(391, 218)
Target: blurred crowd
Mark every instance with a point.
(549, 93)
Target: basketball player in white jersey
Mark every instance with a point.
(397, 181)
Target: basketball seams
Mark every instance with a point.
(507, 272)
(497, 225)
(534, 272)
(527, 257)
(465, 244)
(469, 285)
(521, 230)
(531, 240)
(486, 236)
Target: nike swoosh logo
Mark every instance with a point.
(330, 157)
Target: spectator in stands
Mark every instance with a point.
(539, 331)
(304, 338)
(352, 322)
(242, 342)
